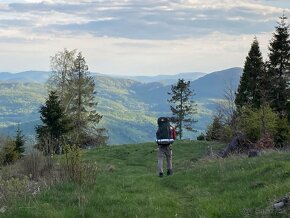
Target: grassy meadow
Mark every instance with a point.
(127, 185)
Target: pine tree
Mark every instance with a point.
(182, 106)
(55, 125)
(19, 142)
(82, 106)
(278, 68)
(250, 91)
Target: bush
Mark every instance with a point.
(74, 169)
(219, 131)
(214, 130)
(282, 136)
(254, 123)
(8, 153)
(200, 137)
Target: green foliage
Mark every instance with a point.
(278, 69)
(11, 149)
(73, 162)
(255, 122)
(8, 152)
(200, 137)
(215, 130)
(76, 89)
(19, 142)
(282, 137)
(219, 130)
(250, 90)
(55, 125)
(182, 107)
(82, 107)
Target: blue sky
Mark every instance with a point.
(135, 37)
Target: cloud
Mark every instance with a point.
(134, 19)
(136, 36)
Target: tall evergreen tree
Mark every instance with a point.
(19, 141)
(82, 106)
(250, 91)
(55, 125)
(182, 106)
(278, 68)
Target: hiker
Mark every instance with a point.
(165, 136)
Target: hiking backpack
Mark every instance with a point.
(164, 134)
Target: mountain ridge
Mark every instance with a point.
(130, 107)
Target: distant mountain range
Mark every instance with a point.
(130, 107)
(166, 79)
(26, 76)
(42, 76)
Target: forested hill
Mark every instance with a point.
(130, 107)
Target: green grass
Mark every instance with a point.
(127, 185)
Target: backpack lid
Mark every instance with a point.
(162, 120)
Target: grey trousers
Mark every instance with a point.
(164, 151)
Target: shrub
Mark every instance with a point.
(219, 130)
(200, 137)
(76, 170)
(282, 136)
(8, 153)
(34, 165)
(255, 122)
(12, 189)
(214, 130)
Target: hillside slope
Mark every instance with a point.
(129, 107)
(127, 185)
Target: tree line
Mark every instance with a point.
(260, 108)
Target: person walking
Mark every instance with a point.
(165, 136)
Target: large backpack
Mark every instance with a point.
(163, 134)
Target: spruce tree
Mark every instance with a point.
(182, 106)
(82, 106)
(71, 80)
(19, 142)
(278, 68)
(250, 91)
(55, 125)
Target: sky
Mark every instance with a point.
(134, 37)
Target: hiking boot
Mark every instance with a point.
(160, 174)
(169, 172)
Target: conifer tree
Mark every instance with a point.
(71, 80)
(278, 68)
(82, 106)
(55, 125)
(250, 91)
(182, 106)
(19, 142)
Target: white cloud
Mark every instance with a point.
(134, 36)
